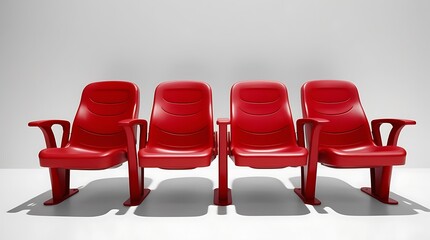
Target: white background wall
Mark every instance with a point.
(50, 49)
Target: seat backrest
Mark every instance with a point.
(182, 116)
(102, 105)
(339, 102)
(260, 115)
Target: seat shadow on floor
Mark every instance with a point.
(265, 196)
(347, 200)
(95, 199)
(178, 197)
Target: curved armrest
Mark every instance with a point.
(46, 127)
(313, 127)
(130, 125)
(397, 125)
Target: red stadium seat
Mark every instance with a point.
(181, 134)
(346, 140)
(96, 140)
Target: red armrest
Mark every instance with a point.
(223, 121)
(312, 136)
(129, 126)
(46, 127)
(397, 125)
(314, 123)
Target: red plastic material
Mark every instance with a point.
(346, 140)
(181, 134)
(262, 135)
(96, 140)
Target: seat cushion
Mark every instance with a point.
(175, 159)
(71, 157)
(291, 156)
(362, 157)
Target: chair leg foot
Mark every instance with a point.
(313, 201)
(138, 201)
(368, 191)
(222, 201)
(53, 201)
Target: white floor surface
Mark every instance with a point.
(180, 206)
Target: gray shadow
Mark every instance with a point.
(347, 200)
(265, 196)
(95, 199)
(178, 197)
(221, 210)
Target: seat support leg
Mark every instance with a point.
(138, 192)
(308, 183)
(222, 195)
(60, 182)
(380, 184)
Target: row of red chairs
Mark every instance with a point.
(260, 133)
